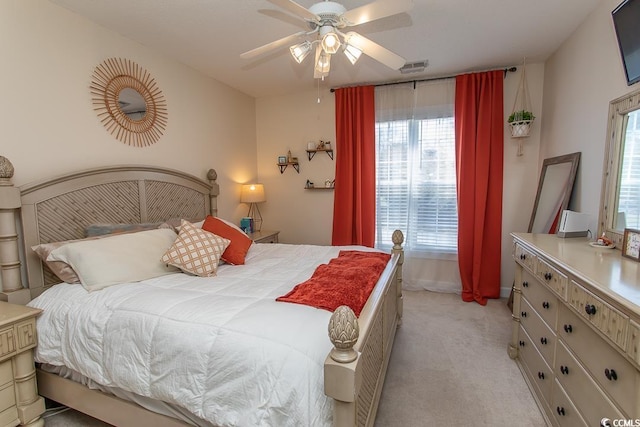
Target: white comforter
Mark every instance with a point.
(220, 347)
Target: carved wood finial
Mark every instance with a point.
(212, 175)
(397, 238)
(343, 333)
(6, 169)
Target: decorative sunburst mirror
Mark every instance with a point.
(128, 102)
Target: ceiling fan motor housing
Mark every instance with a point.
(330, 13)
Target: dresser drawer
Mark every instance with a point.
(563, 408)
(605, 318)
(541, 335)
(540, 374)
(616, 376)
(9, 417)
(633, 342)
(540, 298)
(7, 396)
(556, 280)
(585, 393)
(6, 372)
(525, 257)
(7, 342)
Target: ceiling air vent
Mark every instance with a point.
(414, 67)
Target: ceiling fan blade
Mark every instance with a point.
(272, 46)
(374, 50)
(376, 10)
(296, 9)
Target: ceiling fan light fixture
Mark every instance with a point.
(330, 43)
(352, 53)
(323, 65)
(300, 51)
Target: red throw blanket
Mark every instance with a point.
(345, 280)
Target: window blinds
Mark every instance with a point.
(415, 155)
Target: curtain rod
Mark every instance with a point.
(506, 70)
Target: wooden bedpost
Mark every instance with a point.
(355, 369)
(11, 289)
(398, 238)
(342, 376)
(212, 175)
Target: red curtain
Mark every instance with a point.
(354, 208)
(479, 131)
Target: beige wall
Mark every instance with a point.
(49, 126)
(288, 123)
(520, 172)
(581, 78)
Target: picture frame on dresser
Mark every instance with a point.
(631, 244)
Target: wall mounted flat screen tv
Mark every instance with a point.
(626, 20)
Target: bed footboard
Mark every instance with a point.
(355, 369)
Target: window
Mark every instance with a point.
(416, 176)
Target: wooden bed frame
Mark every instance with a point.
(60, 209)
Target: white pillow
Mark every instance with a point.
(120, 258)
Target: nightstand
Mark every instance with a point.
(19, 400)
(264, 236)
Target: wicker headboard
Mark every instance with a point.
(61, 208)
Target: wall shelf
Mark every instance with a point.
(319, 188)
(283, 166)
(311, 153)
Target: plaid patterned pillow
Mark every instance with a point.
(196, 251)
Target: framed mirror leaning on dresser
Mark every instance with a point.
(620, 196)
(554, 192)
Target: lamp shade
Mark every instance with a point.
(252, 193)
(300, 51)
(352, 52)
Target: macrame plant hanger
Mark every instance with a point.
(521, 116)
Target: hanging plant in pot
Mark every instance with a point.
(520, 122)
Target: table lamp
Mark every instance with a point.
(253, 194)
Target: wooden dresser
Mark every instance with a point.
(576, 329)
(19, 400)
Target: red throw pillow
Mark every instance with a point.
(240, 242)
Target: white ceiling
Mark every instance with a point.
(455, 36)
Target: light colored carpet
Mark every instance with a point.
(449, 367)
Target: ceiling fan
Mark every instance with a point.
(326, 20)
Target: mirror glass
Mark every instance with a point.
(620, 200)
(132, 103)
(628, 191)
(128, 102)
(554, 192)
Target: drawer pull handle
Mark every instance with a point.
(548, 276)
(560, 410)
(568, 329)
(541, 375)
(545, 305)
(590, 309)
(523, 314)
(525, 284)
(543, 340)
(523, 257)
(611, 374)
(521, 343)
(564, 370)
